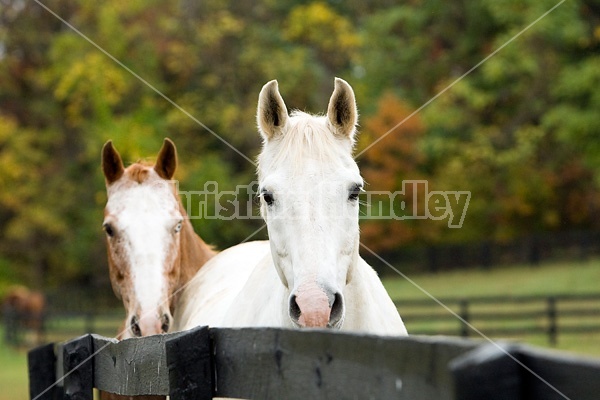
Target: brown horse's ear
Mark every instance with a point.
(272, 114)
(342, 112)
(166, 164)
(112, 165)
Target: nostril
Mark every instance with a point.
(337, 310)
(294, 309)
(166, 323)
(135, 326)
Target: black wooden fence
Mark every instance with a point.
(56, 326)
(518, 317)
(504, 316)
(529, 249)
(292, 364)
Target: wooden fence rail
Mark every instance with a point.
(274, 363)
(504, 315)
(529, 249)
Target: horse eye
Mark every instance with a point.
(354, 192)
(178, 226)
(267, 197)
(110, 232)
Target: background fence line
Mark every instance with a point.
(496, 316)
(505, 315)
(529, 249)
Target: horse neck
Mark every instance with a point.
(369, 307)
(262, 301)
(194, 251)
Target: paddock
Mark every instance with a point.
(269, 363)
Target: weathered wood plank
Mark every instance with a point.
(42, 373)
(190, 365)
(571, 377)
(78, 368)
(293, 364)
(488, 372)
(136, 366)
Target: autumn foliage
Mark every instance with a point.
(520, 132)
(385, 165)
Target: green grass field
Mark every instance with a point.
(580, 277)
(13, 362)
(552, 278)
(13, 374)
(556, 278)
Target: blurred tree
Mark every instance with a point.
(331, 35)
(395, 159)
(519, 132)
(413, 46)
(489, 133)
(39, 199)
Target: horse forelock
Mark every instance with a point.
(138, 172)
(307, 137)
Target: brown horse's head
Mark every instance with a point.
(143, 219)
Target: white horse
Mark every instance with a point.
(310, 273)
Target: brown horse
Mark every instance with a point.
(153, 250)
(24, 310)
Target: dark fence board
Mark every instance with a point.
(576, 378)
(131, 366)
(292, 364)
(489, 373)
(78, 368)
(42, 373)
(299, 364)
(190, 365)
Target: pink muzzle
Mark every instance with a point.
(313, 304)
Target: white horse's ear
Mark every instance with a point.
(272, 114)
(342, 112)
(112, 165)
(166, 163)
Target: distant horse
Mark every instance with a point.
(310, 273)
(24, 310)
(152, 248)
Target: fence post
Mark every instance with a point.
(464, 314)
(552, 324)
(486, 255)
(78, 367)
(489, 372)
(41, 365)
(191, 373)
(534, 255)
(13, 325)
(432, 258)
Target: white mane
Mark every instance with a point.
(308, 137)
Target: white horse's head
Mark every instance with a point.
(142, 221)
(309, 185)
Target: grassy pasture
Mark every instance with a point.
(548, 279)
